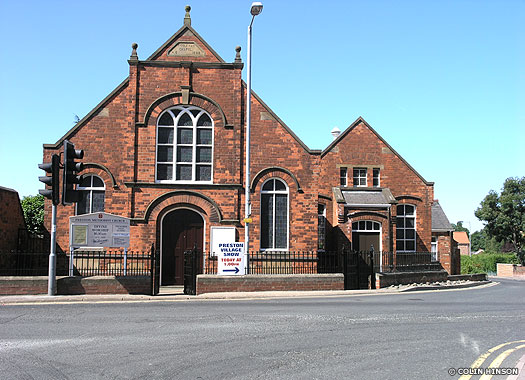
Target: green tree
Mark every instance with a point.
(459, 227)
(504, 213)
(33, 208)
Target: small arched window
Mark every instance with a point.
(93, 190)
(406, 228)
(274, 215)
(184, 145)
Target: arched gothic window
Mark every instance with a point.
(406, 228)
(184, 145)
(93, 189)
(274, 215)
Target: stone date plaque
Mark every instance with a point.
(186, 49)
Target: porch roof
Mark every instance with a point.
(368, 197)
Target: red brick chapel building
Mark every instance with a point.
(166, 149)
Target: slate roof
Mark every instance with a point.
(368, 197)
(440, 221)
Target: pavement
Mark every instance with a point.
(176, 294)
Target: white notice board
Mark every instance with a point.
(99, 229)
(220, 235)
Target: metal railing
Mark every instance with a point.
(110, 263)
(22, 263)
(311, 262)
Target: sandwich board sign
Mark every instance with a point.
(99, 229)
(230, 259)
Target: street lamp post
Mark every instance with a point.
(255, 9)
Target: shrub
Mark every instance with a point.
(486, 262)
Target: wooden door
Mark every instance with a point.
(182, 230)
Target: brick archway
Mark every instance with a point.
(172, 199)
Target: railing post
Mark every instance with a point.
(125, 261)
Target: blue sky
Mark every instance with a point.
(442, 81)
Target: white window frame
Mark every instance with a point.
(343, 177)
(273, 192)
(404, 228)
(90, 189)
(376, 227)
(434, 249)
(184, 110)
(359, 177)
(378, 177)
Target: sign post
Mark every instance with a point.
(230, 259)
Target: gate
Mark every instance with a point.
(356, 266)
(191, 269)
(365, 269)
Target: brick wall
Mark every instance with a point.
(76, 285)
(259, 283)
(510, 270)
(11, 219)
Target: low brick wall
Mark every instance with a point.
(468, 277)
(207, 283)
(76, 285)
(384, 280)
(510, 270)
(23, 285)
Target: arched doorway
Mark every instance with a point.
(365, 235)
(182, 229)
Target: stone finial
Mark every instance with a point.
(187, 18)
(238, 54)
(134, 55)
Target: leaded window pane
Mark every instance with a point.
(279, 186)
(83, 205)
(166, 119)
(164, 172)
(362, 225)
(185, 121)
(86, 181)
(98, 201)
(184, 172)
(266, 221)
(204, 136)
(184, 154)
(184, 136)
(165, 136)
(281, 220)
(369, 226)
(97, 182)
(203, 173)
(268, 186)
(204, 121)
(165, 154)
(195, 112)
(203, 154)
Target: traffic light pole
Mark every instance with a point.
(52, 274)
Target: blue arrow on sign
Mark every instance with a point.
(236, 270)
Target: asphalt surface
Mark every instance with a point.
(411, 335)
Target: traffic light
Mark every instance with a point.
(70, 177)
(52, 181)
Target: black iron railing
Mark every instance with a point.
(110, 263)
(22, 263)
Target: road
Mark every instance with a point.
(416, 335)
